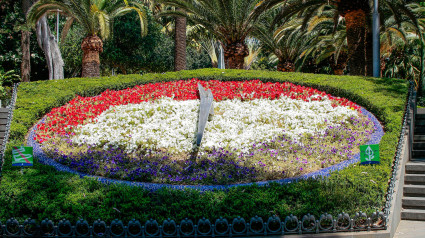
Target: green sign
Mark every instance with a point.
(22, 156)
(369, 154)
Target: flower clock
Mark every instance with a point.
(258, 132)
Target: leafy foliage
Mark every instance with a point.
(8, 77)
(131, 53)
(70, 49)
(95, 17)
(127, 52)
(11, 23)
(6, 80)
(228, 21)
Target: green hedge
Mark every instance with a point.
(43, 192)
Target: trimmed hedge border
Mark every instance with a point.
(356, 188)
(43, 158)
(56, 93)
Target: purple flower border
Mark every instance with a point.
(44, 159)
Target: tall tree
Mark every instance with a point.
(47, 42)
(327, 42)
(230, 21)
(284, 42)
(25, 46)
(357, 16)
(95, 17)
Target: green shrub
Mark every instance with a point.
(43, 192)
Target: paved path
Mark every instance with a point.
(410, 229)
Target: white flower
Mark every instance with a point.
(171, 124)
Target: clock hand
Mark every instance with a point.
(205, 109)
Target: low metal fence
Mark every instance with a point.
(222, 227)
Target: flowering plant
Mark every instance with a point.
(260, 131)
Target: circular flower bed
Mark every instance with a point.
(259, 131)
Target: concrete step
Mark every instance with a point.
(418, 153)
(3, 121)
(420, 122)
(4, 113)
(413, 190)
(418, 160)
(418, 179)
(420, 115)
(413, 202)
(419, 145)
(413, 214)
(419, 138)
(415, 166)
(420, 130)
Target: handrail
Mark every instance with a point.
(412, 120)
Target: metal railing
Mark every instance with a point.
(202, 228)
(412, 115)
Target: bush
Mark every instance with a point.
(43, 192)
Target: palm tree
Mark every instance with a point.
(230, 21)
(254, 49)
(201, 39)
(401, 46)
(328, 41)
(95, 16)
(331, 42)
(332, 47)
(404, 60)
(357, 15)
(284, 42)
(179, 30)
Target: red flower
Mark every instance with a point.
(81, 110)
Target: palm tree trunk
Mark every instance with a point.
(180, 44)
(285, 65)
(26, 56)
(92, 46)
(355, 21)
(25, 46)
(234, 55)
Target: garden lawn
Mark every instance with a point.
(43, 192)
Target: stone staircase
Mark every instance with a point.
(4, 113)
(413, 203)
